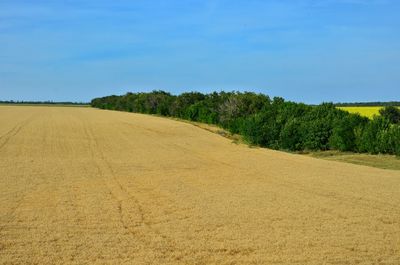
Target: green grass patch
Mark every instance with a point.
(378, 161)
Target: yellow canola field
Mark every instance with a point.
(87, 186)
(363, 111)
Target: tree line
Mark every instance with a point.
(369, 104)
(273, 123)
(48, 102)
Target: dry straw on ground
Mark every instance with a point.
(85, 186)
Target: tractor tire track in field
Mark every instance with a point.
(132, 214)
(5, 138)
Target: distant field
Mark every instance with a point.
(44, 105)
(364, 111)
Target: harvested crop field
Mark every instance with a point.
(86, 186)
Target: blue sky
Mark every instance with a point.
(303, 50)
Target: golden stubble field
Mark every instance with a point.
(86, 186)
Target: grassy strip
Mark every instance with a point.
(237, 139)
(379, 161)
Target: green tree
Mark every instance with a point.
(291, 135)
(345, 131)
(373, 133)
(391, 113)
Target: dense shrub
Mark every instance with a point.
(389, 140)
(346, 131)
(394, 140)
(391, 113)
(291, 136)
(373, 135)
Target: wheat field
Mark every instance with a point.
(86, 186)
